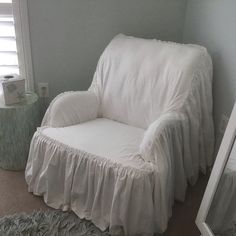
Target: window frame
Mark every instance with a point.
(20, 14)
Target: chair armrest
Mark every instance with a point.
(71, 108)
(152, 136)
(163, 146)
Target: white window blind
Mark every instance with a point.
(15, 50)
(8, 49)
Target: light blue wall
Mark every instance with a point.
(212, 23)
(68, 36)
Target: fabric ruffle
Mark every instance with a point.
(94, 187)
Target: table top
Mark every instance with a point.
(29, 99)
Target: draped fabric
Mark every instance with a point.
(147, 130)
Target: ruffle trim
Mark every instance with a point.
(94, 187)
(144, 169)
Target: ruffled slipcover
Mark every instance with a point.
(120, 153)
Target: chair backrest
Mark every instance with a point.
(139, 79)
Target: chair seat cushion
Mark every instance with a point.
(102, 137)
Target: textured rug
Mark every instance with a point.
(48, 223)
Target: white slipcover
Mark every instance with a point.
(120, 153)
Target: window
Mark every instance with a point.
(15, 53)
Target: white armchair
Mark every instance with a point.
(120, 153)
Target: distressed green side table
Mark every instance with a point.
(17, 126)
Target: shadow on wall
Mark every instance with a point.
(43, 105)
(211, 24)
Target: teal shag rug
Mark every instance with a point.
(48, 223)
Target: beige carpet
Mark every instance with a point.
(15, 198)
